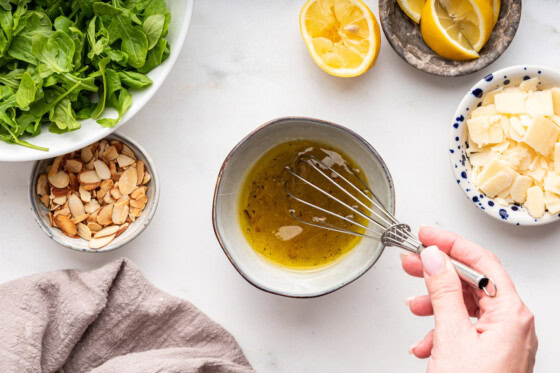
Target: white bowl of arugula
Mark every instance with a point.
(73, 72)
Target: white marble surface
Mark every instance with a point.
(244, 63)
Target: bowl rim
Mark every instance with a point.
(103, 132)
(388, 31)
(217, 232)
(514, 71)
(154, 202)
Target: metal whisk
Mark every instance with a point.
(383, 225)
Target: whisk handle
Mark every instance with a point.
(475, 278)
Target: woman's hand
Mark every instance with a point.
(503, 338)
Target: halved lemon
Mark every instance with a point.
(342, 36)
(412, 8)
(496, 7)
(457, 29)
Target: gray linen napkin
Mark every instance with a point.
(107, 320)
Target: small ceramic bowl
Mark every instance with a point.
(40, 212)
(405, 38)
(511, 76)
(262, 273)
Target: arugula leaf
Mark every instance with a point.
(55, 51)
(103, 95)
(26, 91)
(134, 80)
(133, 39)
(153, 27)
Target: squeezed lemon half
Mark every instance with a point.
(457, 29)
(342, 36)
(412, 8)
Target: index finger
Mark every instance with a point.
(470, 254)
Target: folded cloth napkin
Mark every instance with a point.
(107, 320)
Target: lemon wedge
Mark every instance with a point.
(496, 7)
(457, 29)
(342, 36)
(412, 8)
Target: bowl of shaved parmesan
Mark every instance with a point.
(505, 146)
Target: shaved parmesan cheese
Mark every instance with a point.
(556, 100)
(518, 191)
(535, 202)
(489, 97)
(512, 102)
(479, 130)
(539, 103)
(492, 168)
(529, 84)
(542, 135)
(484, 111)
(552, 183)
(497, 184)
(557, 157)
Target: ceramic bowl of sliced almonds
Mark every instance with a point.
(96, 199)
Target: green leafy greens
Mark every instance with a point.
(66, 61)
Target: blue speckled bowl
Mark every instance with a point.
(510, 76)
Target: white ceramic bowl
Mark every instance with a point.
(40, 212)
(511, 76)
(262, 273)
(181, 12)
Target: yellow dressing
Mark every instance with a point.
(264, 207)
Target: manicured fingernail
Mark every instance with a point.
(403, 255)
(432, 259)
(411, 349)
(408, 300)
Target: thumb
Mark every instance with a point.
(446, 292)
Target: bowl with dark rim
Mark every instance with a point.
(265, 274)
(405, 38)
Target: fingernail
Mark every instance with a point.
(411, 349)
(408, 300)
(432, 259)
(403, 255)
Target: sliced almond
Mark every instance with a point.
(138, 192)
(127, 151)
(124, 200)
(57, 192)
(74, 166)
(122, 228)
(106, 186)
(85, 195)
(120, 213)
(136, 212)
(110, 153)
(92, 206)
(140, 202)
(79, 219)
(107, 231)
(117, 144)
(59, 180)
(147, 178)
(73, 184)
(42, 185)
(124, 160)
(86, 154)
(55, 167)
(140, 168)
(88, 178)
(102, 170)
(98, 243)
(94, 227)
(76, 206)
(66, 225)
(93, 216)
(45, 200)
(84, 231)
(62, 211)
(128, 181)
(115, 193)
(105, 215)
(59, 200)
(108, 198)
(89, 166)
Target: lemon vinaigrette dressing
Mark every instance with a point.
(264, 207)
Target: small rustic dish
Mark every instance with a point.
(511, 76)
(405, 38)
(262, 273)
(40, 212)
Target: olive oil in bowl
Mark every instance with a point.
(264, 207)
